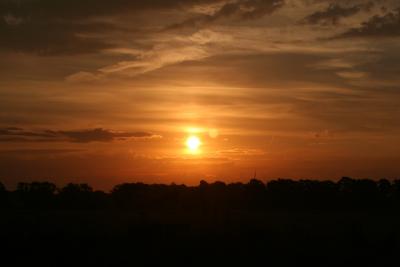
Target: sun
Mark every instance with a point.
(193, 143)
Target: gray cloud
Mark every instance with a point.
(334, 13)
(73, 9)
(387, 25)
(12, 134)
(71, 27)
(54, 38)
(37, 152)
(239, 10)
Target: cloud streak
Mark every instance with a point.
(237, 10)
(387, 25)
(334, 13)
(12, 134)
(49, 28)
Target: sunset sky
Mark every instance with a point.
(106, 92)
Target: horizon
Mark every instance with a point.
(265, 182)
(177, 91)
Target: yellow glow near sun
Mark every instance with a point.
(193, 143)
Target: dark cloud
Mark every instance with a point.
(387, 25)
(76, 9)
(240, 10)
(80, 136)
(256, 71)
(100, 135)
(334, 13)
(64, 27)
(55, 38)
(18, 132)
(37, 152)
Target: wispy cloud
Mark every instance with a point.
(235, 10)
(12, 134)
(387, 25)
(335, 12)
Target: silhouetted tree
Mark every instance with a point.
(384, 187)
(255, 194)
(256, 186)
(216, 197)
(130, 195)
(36, 194)
(3, 196)
(2, 188)
(358, 193)
(80, 196)
(385, 193)
(396, 190)
(284, 193)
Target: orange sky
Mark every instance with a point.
(107, 92)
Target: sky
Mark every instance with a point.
(106, 92)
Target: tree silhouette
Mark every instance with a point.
(3, 196)
(36, 194)
(281, 194)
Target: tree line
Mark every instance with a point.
(281, 194)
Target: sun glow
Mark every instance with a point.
(193, 143)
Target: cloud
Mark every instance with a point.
(334, 13)
(49, 38)
(71, 27)
(38, 152)
(387, 25)
(352, 74)
(176, 51)
(158, 58)
(335, 63)
(233, 152)
(82, 76)
(73, 9)
(79, 136)
(12, 20)
(18, 132)
(237, 10)
(101, 135)
(322, 134)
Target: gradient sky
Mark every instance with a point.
(106, 92)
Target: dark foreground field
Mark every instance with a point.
(248, 239)
(207, 225)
